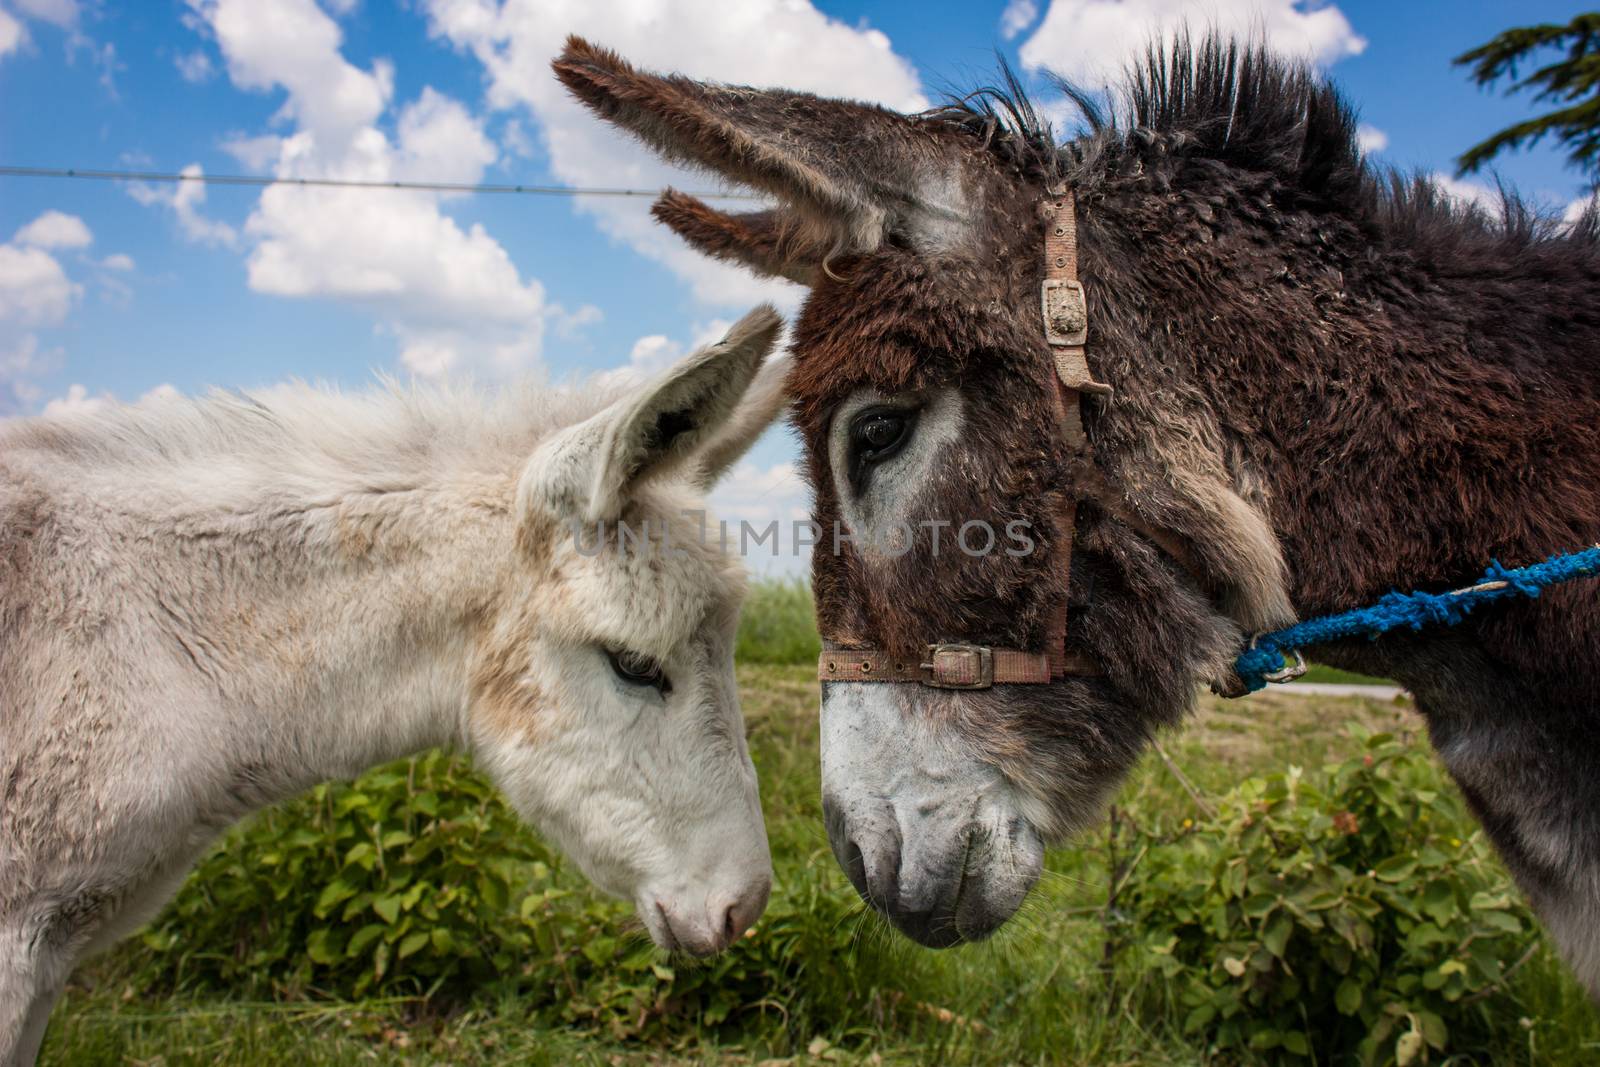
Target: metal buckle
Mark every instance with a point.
(958, 667)
(1289, 672)
(1066, 312)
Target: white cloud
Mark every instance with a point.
(195, 67)
(120, 261)
(655, 352)
(1486, 197)
(516, 139)
(55, 229)
(761, 42)
(1092, 41)
(440, 141)
(14, 32)
(753, 497)
(254, 153)
(62, 13)
(450, 296)
(1574, 211)
(35, 292)
(1371, 139)
(11, 34)
(22, 363)
(77, 401)
(185, 198)
(1018, 16)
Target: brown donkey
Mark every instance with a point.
(1324, 383)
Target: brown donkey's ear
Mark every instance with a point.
(768, 242)
(847, 174)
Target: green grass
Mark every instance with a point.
(854, 992)
(777, 624)
(1316, 672)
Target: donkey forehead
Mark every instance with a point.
(660, 577)
(896, 320)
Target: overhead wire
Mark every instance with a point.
(261, 180)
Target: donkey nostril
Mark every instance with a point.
(855, 866)
(729, 926)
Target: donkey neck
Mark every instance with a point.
(315, 596)
(1401, 415)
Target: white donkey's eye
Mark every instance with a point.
(637, 669)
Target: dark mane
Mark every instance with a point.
(1243, 106)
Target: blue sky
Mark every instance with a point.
(111, 290)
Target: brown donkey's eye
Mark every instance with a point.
(875, 435)
(636, 669)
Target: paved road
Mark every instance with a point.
(1336, 689)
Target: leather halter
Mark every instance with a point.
(1066, 328)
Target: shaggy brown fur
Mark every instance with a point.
(1330, 382)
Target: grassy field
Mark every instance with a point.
(819, 980)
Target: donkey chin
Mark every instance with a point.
(932, 835)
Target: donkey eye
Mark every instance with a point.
(636, 669)
(875, 435)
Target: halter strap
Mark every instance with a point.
(1066, 328)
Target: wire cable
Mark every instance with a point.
(341, 183)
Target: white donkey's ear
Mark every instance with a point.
(759, 408)
(589, 470)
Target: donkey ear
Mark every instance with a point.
(766, 241)
(761, 406)
(847, 173)
(589, 471)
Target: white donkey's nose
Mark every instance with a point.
(707, 928)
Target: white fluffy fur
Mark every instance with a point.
(207, 606)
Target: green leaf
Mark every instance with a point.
(1259, 905)
(332, 895)
(1439, 901)
(362, 938)
(323, 945)
(1265, 1038)
(1198, 1017)
(412, 943)
(1395, 869)
(1434, 1031)
(600, 950)
(1276, 936)
(1347, 998)
(1503, 921)
(350, 802)
(388, 908)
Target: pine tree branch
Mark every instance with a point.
(1574, 80)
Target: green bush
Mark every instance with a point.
(778, 624)
(416, 880)
(1356, 914)
(402, 882)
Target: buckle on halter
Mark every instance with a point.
(958, 667)
(1066, 312)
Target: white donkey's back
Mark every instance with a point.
(207, 606)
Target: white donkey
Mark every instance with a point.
(208, 606)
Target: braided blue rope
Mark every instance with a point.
(1267, 653)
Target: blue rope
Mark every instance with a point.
(1268, 652)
